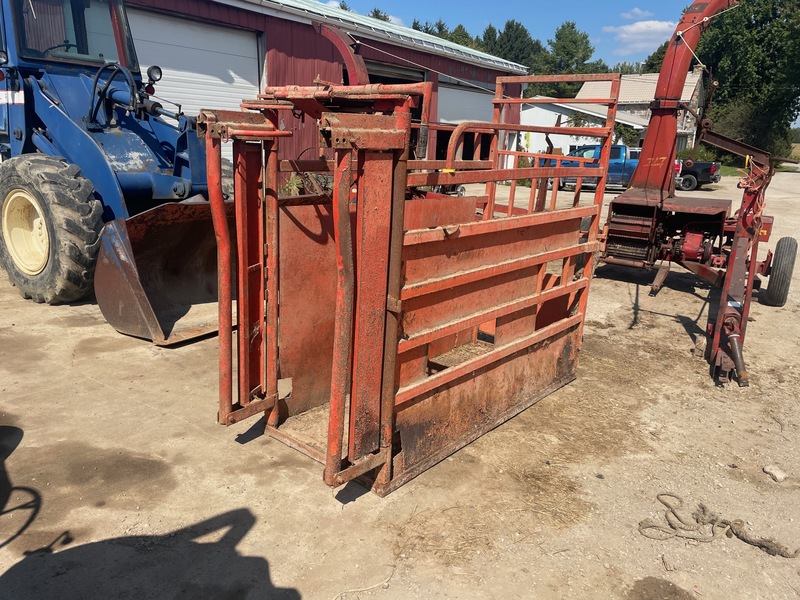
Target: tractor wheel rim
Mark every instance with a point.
(25, 232)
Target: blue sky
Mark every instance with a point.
(620, 31)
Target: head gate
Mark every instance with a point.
(380, 325)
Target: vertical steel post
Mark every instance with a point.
(224, 274)
(343, 327)
(271, 247)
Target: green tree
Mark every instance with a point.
(796, 135)
(439, 29)
(570, 52)
(652, 64)
(344, 6)
(754, 53)
(460, 35)
(424, 27)
(627, 68)
(377, 13)
(515, 43)
(488, 40)
(442, 30)
(626, 134)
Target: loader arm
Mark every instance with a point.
(654, 174)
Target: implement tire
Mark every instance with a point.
(50, 224)
(780, 277)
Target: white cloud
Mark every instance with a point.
(333, 3)
(636, 13)
(642, 36)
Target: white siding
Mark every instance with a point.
(546, 117)
(204, 66)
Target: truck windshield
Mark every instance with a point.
(75, 31)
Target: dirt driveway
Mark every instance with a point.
(109, 448)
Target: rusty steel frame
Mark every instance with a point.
(415, 322)
(733, 264)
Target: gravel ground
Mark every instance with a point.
(132, 491)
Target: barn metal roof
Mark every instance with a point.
(636, 89)
(596, 110)
(384, 31)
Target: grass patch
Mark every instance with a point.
(728, 171)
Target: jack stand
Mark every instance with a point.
(661, 276)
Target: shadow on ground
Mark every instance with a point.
(196, 562)
(27, 501)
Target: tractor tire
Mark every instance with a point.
(689, 182)
(50, 224)
(461, 191)
(781, 273)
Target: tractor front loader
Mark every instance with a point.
(100, 186)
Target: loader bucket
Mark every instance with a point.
(156, 273)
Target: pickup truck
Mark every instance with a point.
(697, 173)
(621, 165)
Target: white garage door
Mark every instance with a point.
(457, 104)
(205, 66)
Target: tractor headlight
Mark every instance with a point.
(154, 73)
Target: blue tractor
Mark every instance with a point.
(96, 171)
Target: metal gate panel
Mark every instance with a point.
(409, 322)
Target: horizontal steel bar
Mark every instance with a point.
(363, 465)
(481, 176)
(251, 409)
(297, 441)
(327, 166)
(556, 158)
(426, 236)
(408, 394)
(559, 78)
(306, 200)
(603, 101)
(431, 286)
(431, 165)
(429, 335)
(300, 166)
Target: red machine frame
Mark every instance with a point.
(401, 324)
(647, 223)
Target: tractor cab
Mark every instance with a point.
(80, 33)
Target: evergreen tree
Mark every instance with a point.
(489, 39)
(570, 53)
(627, 68)
(515, 43)
(460, 35)
(377, 13)
(652, 64)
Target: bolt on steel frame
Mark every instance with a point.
(381, 326)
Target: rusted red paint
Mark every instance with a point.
(647, 224)
(225, 274)
(426, 323)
